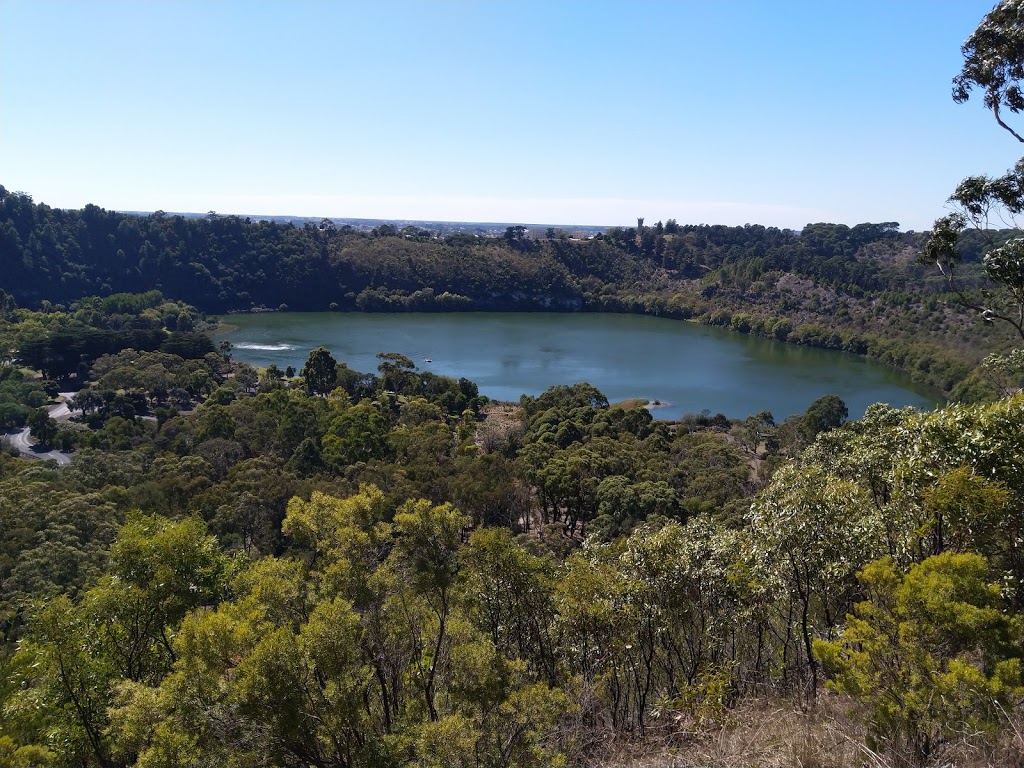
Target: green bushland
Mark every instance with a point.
(858, 289)
(352, 568)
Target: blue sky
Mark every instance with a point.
(777, 113)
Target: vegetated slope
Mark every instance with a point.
(347, 569)
(223, 263)
(854, 288)
(227, 263)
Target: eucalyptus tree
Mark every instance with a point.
(122, 631)
(808, 533)
(993, 64)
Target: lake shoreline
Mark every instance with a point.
(934, 393)
(692, 367)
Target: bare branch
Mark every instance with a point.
(995, 112)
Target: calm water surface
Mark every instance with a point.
(688, 367)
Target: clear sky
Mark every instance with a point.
(751, 111)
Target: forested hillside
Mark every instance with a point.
(859, 289)
(224, 263)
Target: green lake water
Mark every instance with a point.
(687, 367)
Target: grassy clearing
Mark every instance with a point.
(635, 402)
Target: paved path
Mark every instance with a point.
(22, 440)
(61, 412)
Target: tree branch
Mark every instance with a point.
(995, 112)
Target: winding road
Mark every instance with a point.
(22, 439)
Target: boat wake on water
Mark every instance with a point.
(266, 347)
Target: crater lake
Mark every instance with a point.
(687, 367)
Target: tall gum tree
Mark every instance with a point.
(994, 65)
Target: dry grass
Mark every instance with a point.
(635, 402)
(757, 734)
(773, 734)
(502, 425)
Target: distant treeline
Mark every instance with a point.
(224, 263)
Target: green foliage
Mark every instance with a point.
(929, 653)
(993, 62)
(292, 670)
(42, 427)
(511, 598)
(65, 661)
(825, 413)
(19, 395)
(319, 372)
(808, 534)
(357, 434)
(54, 539)
(30, 756)
(621, 504)
(120, 629)
(389, 628)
